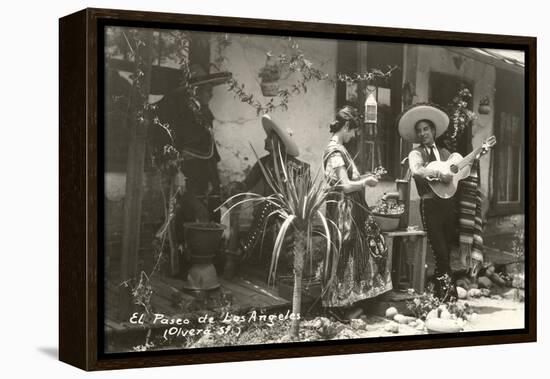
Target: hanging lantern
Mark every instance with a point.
(371, 109)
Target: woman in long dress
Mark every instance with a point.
(360, 269)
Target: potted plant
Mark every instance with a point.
(484, 105)
(388, 212)
(270, 75)
(297, 201)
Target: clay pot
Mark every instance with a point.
(387, 223)
(269, 89)
(484, 109)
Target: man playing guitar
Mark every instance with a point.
(423, 124)
(436, 173)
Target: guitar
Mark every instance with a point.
(457, 166)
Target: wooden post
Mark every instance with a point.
(410, 69)
(390, 258)
(362, 67)
(420, 263)
(137, 134)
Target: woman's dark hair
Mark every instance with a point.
(347, 113)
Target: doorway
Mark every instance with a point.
(443, 89)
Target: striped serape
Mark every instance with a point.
(470, 221)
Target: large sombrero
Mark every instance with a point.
(198, 76)
(418, 112)
(285, 135)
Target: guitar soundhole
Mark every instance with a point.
(454, 169)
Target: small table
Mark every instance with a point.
(414, 244)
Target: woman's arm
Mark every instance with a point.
(347, 185)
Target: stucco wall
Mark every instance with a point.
(237, 126)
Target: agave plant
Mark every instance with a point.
(296, 202)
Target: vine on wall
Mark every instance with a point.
(294, 65)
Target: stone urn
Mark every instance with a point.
(203, 241)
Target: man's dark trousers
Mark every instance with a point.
(439, 222)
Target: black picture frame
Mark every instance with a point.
(80, 164)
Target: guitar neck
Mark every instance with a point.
(469, 158)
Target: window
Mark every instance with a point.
(445, 87)
(377, 138)
(509, 152)
(378, 144)
(509, 157)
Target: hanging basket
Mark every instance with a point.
(270, 89)
(484, 109)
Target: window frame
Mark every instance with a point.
(352, 56)
(503, 102)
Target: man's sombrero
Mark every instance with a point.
(198, 76)
(418, 112)
(286, 136)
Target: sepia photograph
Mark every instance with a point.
(279, 189)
